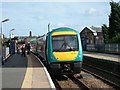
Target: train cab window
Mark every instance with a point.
(65, 43)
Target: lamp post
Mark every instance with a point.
(48, 27)
(10, 41)
(2, 53)
(10, 33)
(1, 26)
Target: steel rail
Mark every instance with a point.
(81, 85)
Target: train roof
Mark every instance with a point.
(63, 29)
(59, 30)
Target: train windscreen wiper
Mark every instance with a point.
(65, 44)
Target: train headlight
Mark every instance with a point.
(51, 57)
(79, 56)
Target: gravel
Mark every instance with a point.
(94, 83)
(65, 82)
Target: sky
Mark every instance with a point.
(35, 16)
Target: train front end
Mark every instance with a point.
(65, 51)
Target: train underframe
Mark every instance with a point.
(65, 68)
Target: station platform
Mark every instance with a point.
(25, 72)
(102, 56)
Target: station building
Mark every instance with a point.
(91, 36)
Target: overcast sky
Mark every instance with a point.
(35, 16)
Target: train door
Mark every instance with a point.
(84, 43)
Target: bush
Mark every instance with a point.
(116, 39)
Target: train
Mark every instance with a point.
(60, 49)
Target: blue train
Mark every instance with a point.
(61, 50)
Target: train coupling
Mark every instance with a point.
(66, 67)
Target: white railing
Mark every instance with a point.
(7, 53)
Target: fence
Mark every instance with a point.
(0, 53)
(5, 52)
(108, 48)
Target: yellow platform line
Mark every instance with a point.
(27, 82)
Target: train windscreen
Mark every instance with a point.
(65, 43)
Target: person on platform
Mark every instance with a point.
(18, 51)
(28, 48)
(23, 50)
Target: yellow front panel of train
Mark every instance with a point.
(63, 33)
(65, 56)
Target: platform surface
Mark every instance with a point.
(25, 72)
(103, 56)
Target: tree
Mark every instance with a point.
(105, 30)
(114, 20)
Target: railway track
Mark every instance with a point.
(80, 82)
(81, 85)
(69, 82)
(108, 77)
